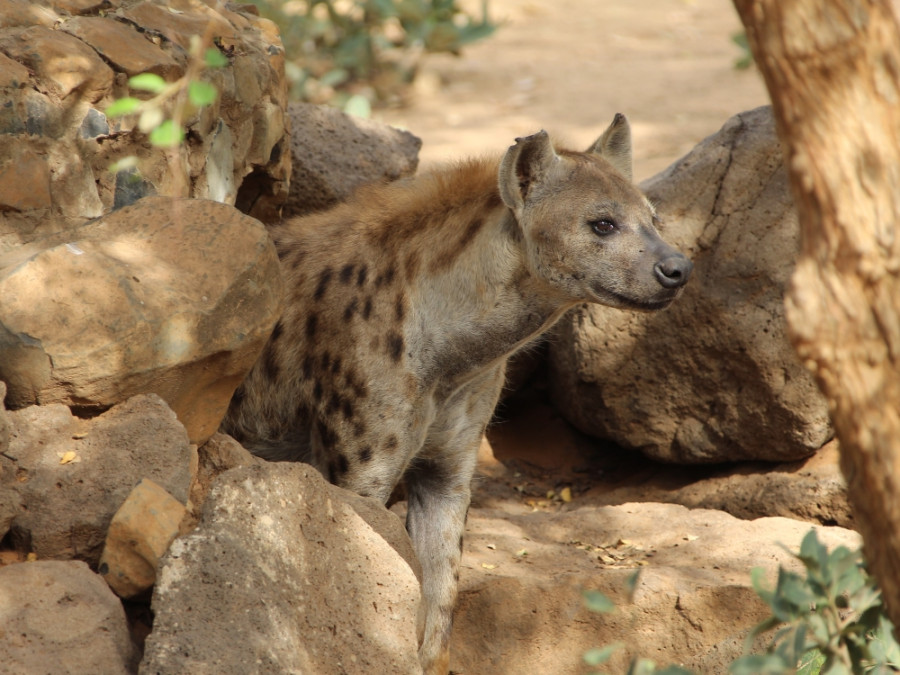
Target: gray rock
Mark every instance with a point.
(174, 297)
(714, 377)
(332, 154)
(61, 618)
(71, 475)
(283, 574)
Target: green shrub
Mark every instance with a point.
(370, 49)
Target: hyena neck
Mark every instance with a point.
(488, 304)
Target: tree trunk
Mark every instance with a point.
(832, 68)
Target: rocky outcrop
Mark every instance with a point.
(59, 617)
(523, 575)
(174, 297)
(713, 378)
(62, 63)
(286, 572)
(68, 476)
(336, 153)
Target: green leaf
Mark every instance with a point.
(150, 118)
(202, 93)
(883, 648)
(835, 667)
(167, 135)
(147, 82)
(810, 663)
(600, 655)
(123, 106)
(598, 602)
(358, 106)
(760, 664)
(213, 58)
(129, 162)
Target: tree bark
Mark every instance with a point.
(832, 68)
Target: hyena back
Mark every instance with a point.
(403, 306)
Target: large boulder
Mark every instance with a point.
(523, 575)
(290, 574)
(714, 377)
(59, 617)
(174, 297)
(67, 476)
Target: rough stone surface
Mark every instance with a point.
(71, 475)
(61, 618)
(334, 153)
(174, 297)
(63, 62)
(520, 608)
(285, 574)
(714, 377)
(138, 536)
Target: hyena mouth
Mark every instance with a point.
(613, 299)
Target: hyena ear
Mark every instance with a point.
(615, 145)
(525, 163)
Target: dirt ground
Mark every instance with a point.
(570, 65)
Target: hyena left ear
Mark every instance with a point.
(615, 145)
(525, 163)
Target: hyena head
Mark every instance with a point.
(588, 231)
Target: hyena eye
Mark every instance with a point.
(603, 226)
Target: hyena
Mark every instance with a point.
(403, 306)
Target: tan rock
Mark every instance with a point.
(60, 61)
(24, 178)
(12, 74)
(59, 617)
(178, 21)
(68, 476)
(285, 561)
(166, 296)
(15, 13)
(139, 534)
(124, 47)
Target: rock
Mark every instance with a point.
(334, 153)
(64, 63)
(138, 536)
(284, 573)
(714, 377)
(174, 297)
(59, 617)
(523, 575)
(71, 475)
(220, 453)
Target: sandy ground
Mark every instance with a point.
(569, 65)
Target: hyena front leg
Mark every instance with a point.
(438, 485)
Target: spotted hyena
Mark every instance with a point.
(403, 306)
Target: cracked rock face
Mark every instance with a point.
(714, 377)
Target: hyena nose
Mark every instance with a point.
(673, 271)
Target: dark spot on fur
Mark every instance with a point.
(365, 454)
(360, 390)
(336, 365)
(361, 276)
(347, 408)
(400, 307)
(391, 444)
(367, 309)
(395, 346)
(347, 273)
(312, 323)
(324, 280)
(351, 309)
(276, 332)
(359, 428)
(326, 435)
(270, 363)
(317, 391)
(325, 361)
(342, 464)
(411, 264)
(306, 368)
(386, 278)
